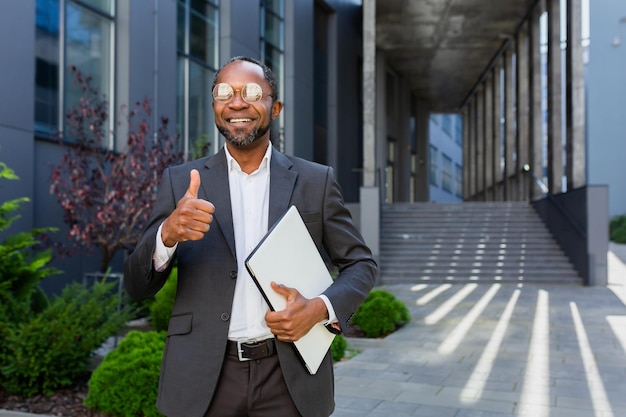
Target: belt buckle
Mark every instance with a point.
(240, 350)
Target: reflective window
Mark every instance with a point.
(105, 6)
(197, 44)
(445, 124)
(272, 51)
(459, 181)
(84, 39)
(458, 127)
(446, 173)
(433, 160)
(88, 42)
(47, 58)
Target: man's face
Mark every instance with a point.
(240, 122)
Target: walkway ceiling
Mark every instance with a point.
(442, 47)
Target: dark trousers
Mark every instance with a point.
(253, 388)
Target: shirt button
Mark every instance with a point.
(225, 316)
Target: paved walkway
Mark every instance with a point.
(493, 351)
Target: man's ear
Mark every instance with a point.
(277, 106)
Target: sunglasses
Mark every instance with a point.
(250, 93)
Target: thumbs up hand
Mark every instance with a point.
(192, 217)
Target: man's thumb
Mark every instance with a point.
(194, 183)
(281, 290)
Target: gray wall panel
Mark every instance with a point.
(17, 66)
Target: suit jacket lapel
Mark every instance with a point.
(215, 186)
(216, 190)
(282, 182)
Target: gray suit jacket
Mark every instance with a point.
(207, 270)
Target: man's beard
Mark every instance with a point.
(241, 139)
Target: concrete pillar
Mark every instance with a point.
(498, 177)
(480, 144)
(422, 187)
(369, 195)
(555, 139)
(489, 138)
(575, 99)
(404, 143)
(509, 131)
(466, 152)
(524, 180)
(471, 161)
(535, 139)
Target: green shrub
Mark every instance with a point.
(55, 347)
(338, 347)
(126, 382)
(22, 266)
(617, 229)
(161, 308)
(380, 314)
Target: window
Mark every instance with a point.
(434, 118)
(459, 181)
(446, 173)
(197, 44)
(458, 128)
(445, 124)
(272, 49)
(84, 39)
(433, 156)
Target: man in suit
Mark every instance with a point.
(226, 353)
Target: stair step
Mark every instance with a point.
(469, 242)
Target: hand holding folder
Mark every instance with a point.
(299, 315)
(287, 255)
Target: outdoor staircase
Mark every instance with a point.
(469, 242)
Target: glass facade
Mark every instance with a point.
(433, 167)
(446, 173)
(71, 34)
(458, 180)
(197, 44)
(458, 129)
(273, 36)
(445, 124)
(272, 52)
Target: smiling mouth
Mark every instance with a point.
(239, 120)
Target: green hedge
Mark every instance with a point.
(617, 229)
(55, 347)
(126, 382)
(338, 347)
(380, 314)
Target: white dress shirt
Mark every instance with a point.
(249, 200)
(249, 196)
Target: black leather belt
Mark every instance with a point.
(251, 350)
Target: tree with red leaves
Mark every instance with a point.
(107, 195)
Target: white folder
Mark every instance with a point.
(287, 255)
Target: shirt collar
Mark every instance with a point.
(264, 165)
